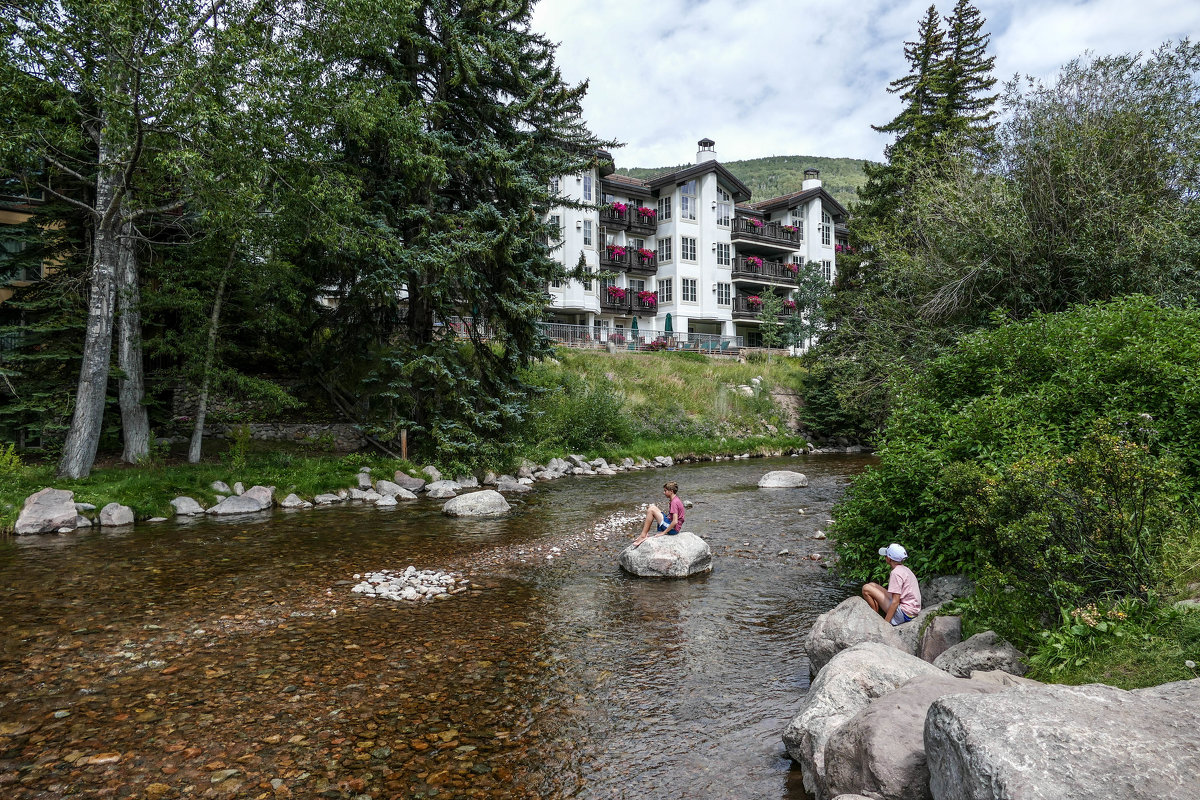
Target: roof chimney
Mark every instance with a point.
(706, 151)
(812, 179)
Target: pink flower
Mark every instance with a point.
(648, 298)
(619, 208)
(616, 292)
(755, 222)
(647, 212)
(754, 300)
(789, 304)
(616, 251)
(754, 261)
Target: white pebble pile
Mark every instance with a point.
(412, 585)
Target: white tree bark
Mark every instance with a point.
(135, 419)
(209, 355)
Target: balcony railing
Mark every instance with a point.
(744, 309)
(761, 270)
(614, 256)
(614, 220)
(768, 233)
(646, 224)
(584, 336)
(640, 306)
(643, 264)
(610, 304)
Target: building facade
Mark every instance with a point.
(688, 246)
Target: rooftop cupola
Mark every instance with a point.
(812, 179)
(706, 151)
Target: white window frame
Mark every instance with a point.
(636, 285)
(688, 201)
(663, 249)
(555, 186)
(664, 290)
(587, 188)
(798, 221)
(664, 208)
(724, 254)
(827, 270)
(826, 229)
(687, 244)
(688, 291)
(588, 239)
(724, 293)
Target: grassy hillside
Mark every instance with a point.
(776, 175)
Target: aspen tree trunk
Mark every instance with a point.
(209, 355)
(135, 419)
(79, 451)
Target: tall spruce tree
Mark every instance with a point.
(456, 119)
(965, 110)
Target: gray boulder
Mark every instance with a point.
(264, 495)
(327, 499)
(363, 481)
(489, 478)
(357, 494)
(605, 471)
(221, 487)
(849, 623)
(371, 496)
(238, 488)
(910, 632)
(82, 522)
(783, 479)
(83, 508)
(408, 482)
(577, 461)
(547, 476)
(524, 472)
(114, 515)
(237, 504)
(880, 751)
(487, 503)
(513, 487)
(46, 511)
(295, 501)
(675, 556)
(389, 489)
(1057, 742)
(983, 651)
(432, 472)
(851, 680)
(386, 501)
(467, 481)
(453, 486)
(440, 492)
(940, 635)
(945, 588)
(186, 507)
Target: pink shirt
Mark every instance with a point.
(904, 583)
(676, 508)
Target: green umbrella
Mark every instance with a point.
(668, 328)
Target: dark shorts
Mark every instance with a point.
(663, 527)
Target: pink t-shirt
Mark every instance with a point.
(904, 583)
(676, 508)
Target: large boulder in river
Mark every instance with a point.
(849, 623)
(983, 651)
(940, 635)
(488, 503)
(783, 479)
(237, 504)
(389, 489)
(880, 751)
(406, 481)
(512, 487)
(46, 511)
(1066, 742)
(675, 556)
(263, 495)
(115, 515)
(944, 588)
(851, 680)
(186, 507)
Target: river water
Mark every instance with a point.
(228, 658)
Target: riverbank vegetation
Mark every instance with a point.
(1017, 329)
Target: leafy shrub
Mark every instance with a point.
(1063, 451)
(10, 460)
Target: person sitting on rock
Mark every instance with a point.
(669, 524)
(901, 602)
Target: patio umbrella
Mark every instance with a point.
(668, 326)
(634, 327)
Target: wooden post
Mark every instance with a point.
(404, 444)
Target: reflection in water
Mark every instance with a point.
(181, 652)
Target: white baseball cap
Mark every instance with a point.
(894, 551)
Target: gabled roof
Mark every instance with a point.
(789, 200)
(740, 190)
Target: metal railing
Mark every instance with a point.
(583, 336)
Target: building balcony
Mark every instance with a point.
(766, 235)
(621, 306)
(614, 257)
(615, 220)
(752, 269)
(643, 263)
(745, 311)
(641, 307)
(642, 224)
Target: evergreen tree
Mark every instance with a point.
(965, 113)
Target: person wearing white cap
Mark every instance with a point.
(901, 601)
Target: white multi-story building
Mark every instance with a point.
(687, 245)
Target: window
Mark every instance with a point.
(664, 250)
(636, 244)
(587, 188)
(554, 185)
(687, 290)
(687, 248)
(609, 199)
(609, 238)
(724, 254)
(798, 260)
(556, 227)
(587, 285)
(724, 207)
(605, 284)
(687, 201)
(722, 294)
(798, 221)
(587, 233)
(556, 283)
(9, 250)
(826, 229)
(636, 285)
(827, 271)
(664, 209)
(664, 290)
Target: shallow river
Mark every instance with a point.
(229, 658)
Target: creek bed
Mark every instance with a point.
(228, 658)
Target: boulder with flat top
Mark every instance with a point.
(675, 556)
(849, 623)
(487, 503)
(46, 511)
(983, 651)
(783, 479)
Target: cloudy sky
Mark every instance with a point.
(800, 77)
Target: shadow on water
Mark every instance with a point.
(178, 652)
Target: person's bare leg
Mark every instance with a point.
(876, 597)
(653, 518)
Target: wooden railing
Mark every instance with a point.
(769, 232)
(753, 268)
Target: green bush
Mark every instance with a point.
(1063, 451)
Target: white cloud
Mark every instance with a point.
(772, 77)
